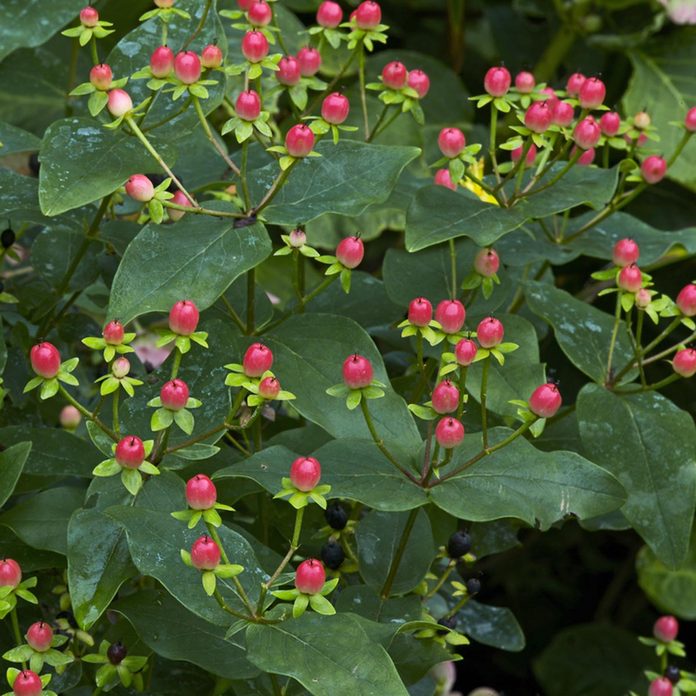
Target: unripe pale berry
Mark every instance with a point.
(120, 367)
(119, 102)
(586, 156)
(420, 311)
(490, 332)
(309, 60)
(562, 113)
(298, 238)
(642, 120)
(592, 93)
(625, 252)
(260, 14)
(575, 82)
(684, 362)
(27, 683)
(140, 188)
(545, 400)
(666, 629)
(451, 142)
(531, 154)
(329, 14)
(395, 75)
(113, 332)
(101, 76)
(497, 81)
(653, 169)
(465, 352)
(610, 123)
(643, 298)
(201, 493)
(630, 278)
(690, 119)
(299, 140)
(89, 17)
(335, 108)
(162, 62)
(350, 252)
(183, 318)
(451, 315)
(211, 56)
(305, 473)
(368, 15)
(164, 3)
(70, 417)
(257, 360)
(310, 576)
(686, 300)
(45, 360)
(587, 133)
(130, 452)
(538, 116)
(174, 394)
(445, 397)
(524, 82)
(187, 67)
(288, 72)
(418, 80)
(269, 388)
(205, 553)
(487, 262)
(39, 636)
(254, 46)
(357, 372)
(10, 573)
(660, 687)
(443, 178)
(449, 433)
(179, 199)
(248, 105)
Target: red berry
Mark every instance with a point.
(89, 17)
(538, 116)
(592, 92)
(205, 553)
(419, 81)
(305, 473)
(545, 400)
(443, 178)
(183, 318)
(10, 573)
(101, 76)
(531, 154)
(310, 576)
(451, 315)
(201, 493)
(309, 60)
(445, 398)
(575, 82)
(630, 278)
(357, 372)
(686, 300)
(335, 108)
(587, 133)
(269, 388)
(113, 332)
(586, 157)
(465, 351)
(187, 67)
(244, 4)
(653, 169)
(684, 362)
(288, 72)
(643, 298)
(130, 452)
(395, 75)
(368, 15)
(70, 417)
(45, 360)
(666, 629)
(350, 252)
(254, 46)
(140, 188)
(690, 119)
(660, 687)
(120, 367)
(551, 96)
(562, 113)
(211, 56)
(260, 13)
(449, 432)
(487, 262)
(420, 311)
(451, 142)
(119, 102)
(497, 81)
(299, 140)
(329, 14)
(179, 199)
(524, 82)
(257, 360)
(39, 636)
(162, 62)
(27, 683)
(248, 105)
(610, 123)
(642, 120)
(490, 332)
(174, 394)
(626, 252)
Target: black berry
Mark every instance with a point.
(473, 586)
(336, 516)
(672, 673)
(7, 238)
(448, 621)
(459, 544)
(332, 555)
(116, 653)
(34, 164)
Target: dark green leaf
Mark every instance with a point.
(12, 461)
(15, 139)
(495, 626)
(54, 250)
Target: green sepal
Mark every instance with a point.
(209, 582)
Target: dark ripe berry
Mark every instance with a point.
(672, 673)
(7, 238)
(332, 555)
(116, 653)
(459, 544)
(34, 164)
(448, 622)
(473, 586)
(336, 516)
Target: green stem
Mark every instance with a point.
(375, 128)
(453, 268)
(363, 94)
(320, 288)
(491, 144)
(419, 354)
(555, 52)
(639, 336)
(483, 396)
(462, 391)
(399, 554)
(176, 364)
(671, 349)
(171, 117)
(226, 607)
(243, 175)
(614, 333)
(165, 33)
(331, 84)
(17, 633)
(97, 691)
(197, 438)
(652, 387)
(201, 23)
(251, 301)
(459, 605)
(202, 211)
(213, 141)
(298, 528)
(233, 313)
(72, 75)
(86, 413)
(236, 404)
(275, 187)
(569, 165)
(114, 411)
(680, 146)
(93, 51)
(298, 262)
(450, 567)
(387, 123)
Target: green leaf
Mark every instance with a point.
(197, 258)
(494, 626)
(15, 139)
(162, 418)
(184, 419)
(132, 479)
(12, 461)
(350, 663)
(646, 442)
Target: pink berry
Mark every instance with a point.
(120, 367)
(101, 76)
(140, 188)
(551, 96)
(587, 133)
(642, 120)
(443, 178)
(113, 332)
(201, 493)
(563, 113)
(269, 388)
(490, 332)
(45, 360)
(70, 417)
(630, 278)
(660, 687)
(299, 140)
(162, 62)
(451, 315)
(178, 199)
(586, 157)
(666, 629)
(419, 81)
(451, 142)
(545, 400)
(497, 81)
(260, 14)
(309, 60)
(653, 169)
(10, 573)
(130, 452)
(257, 360)
(610, 123)
(205, 553)
(298, 238)
(575, 82)
(626, 252)
(174, 394)
(329, 14)
(187, 67)
(449, 432)
(357, 372)
(244, 4)
(254, 46)
(538, 116)
(684, 362)
(211, 56)
(305, 473)
(395, 75)
(335, 108)
(164, 3)
(248, 105)
(368, 15)
(445, 398)
(531, 154)
(89, 17)
(310, 576)
(592, 93)
(686, 300)
(119, 102)
(183, 318)
(420, 311)
(288, 72)
(27, 683)
(524, 82)
(350, 252)
(39, 636)
(643, 298)
(487, 263)
(690, 119)
(465, 352)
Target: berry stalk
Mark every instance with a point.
(17, 633)
(612, 344)
(213, 141)
(251, 301)
(363, 93)
(483, 396)
(399, 554)
(87, 413)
